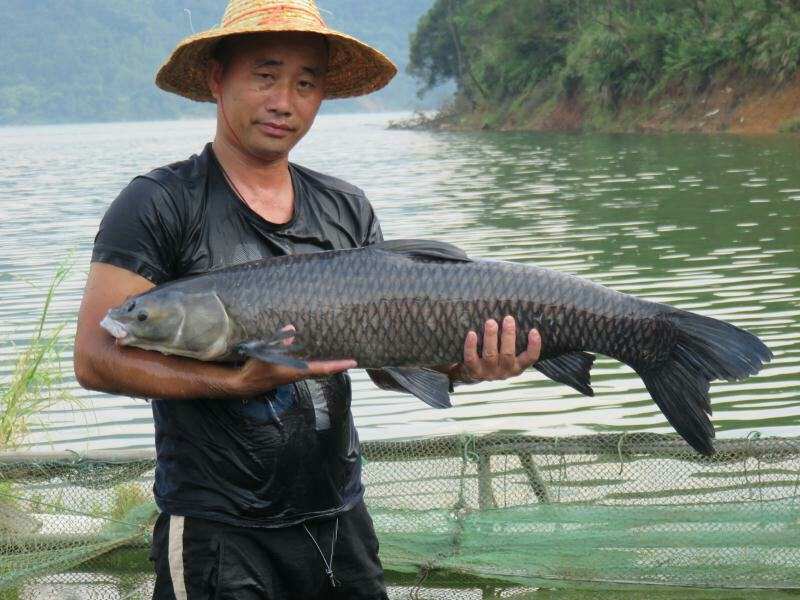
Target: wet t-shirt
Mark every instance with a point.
(272, 460)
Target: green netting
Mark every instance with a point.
(494, 516)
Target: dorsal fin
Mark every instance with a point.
(424, 249)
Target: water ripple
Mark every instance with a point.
(707, 224)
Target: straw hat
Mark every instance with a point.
(354, 68)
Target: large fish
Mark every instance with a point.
(403, 305)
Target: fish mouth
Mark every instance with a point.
(113, 327)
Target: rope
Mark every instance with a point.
(505, 481)
(189, 14)
(619, 452)
(233, 133)
(562, 471)
(328, 563)
(753, 435)
(424, 571)
(470, 452)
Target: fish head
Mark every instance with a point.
(195, 325)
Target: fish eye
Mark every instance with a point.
(142, 316)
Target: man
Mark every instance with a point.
(258, 466)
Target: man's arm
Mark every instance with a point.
(101, 364)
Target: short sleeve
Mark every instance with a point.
(374, 233)
(141, 231)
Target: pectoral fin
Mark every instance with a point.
(274, 350)
(431, 387)
(572, 369)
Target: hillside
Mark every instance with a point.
(617, 65)
(95, 60)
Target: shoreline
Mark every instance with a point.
(730, 106)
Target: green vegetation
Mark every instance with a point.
(33, 384)
(503, 54)
(790, 126)
(128, 496)
(95, 60)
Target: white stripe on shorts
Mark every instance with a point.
(175, 555)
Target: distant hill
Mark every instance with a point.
(95, 60)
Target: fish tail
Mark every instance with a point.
(705, 349)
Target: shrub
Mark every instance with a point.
(33, 384)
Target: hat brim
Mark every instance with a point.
(354, 68)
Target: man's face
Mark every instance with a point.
(269, 91)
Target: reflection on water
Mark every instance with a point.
(707, 224)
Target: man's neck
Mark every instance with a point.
(265, 186)
(258, 172)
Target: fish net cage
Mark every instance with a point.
(493, 516)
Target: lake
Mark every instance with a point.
(709, 224)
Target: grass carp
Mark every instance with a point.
(403, 305)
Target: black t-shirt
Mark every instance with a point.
(270, 461)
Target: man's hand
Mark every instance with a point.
(255, 376)
(497, 362)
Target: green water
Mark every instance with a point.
(708, 224)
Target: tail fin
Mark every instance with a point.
(706, 349)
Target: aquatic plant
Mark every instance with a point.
(127, 497)
(32, 385)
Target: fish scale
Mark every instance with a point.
(403, 306)
(425, 308)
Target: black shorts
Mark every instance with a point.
(197, 559)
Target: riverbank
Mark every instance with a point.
(728, 105)
(613, 66)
